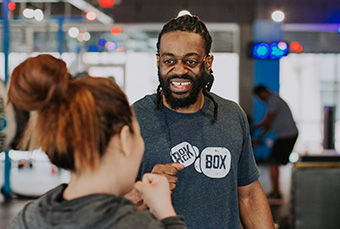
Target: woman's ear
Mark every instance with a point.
(126, 140)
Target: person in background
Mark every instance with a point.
(87, 127)
(199, 140)
(279, 119)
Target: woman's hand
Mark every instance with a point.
(155, 192)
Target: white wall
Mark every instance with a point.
(139, 70)
(142, 78)
(300, 77)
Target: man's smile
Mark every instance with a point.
(180, 85)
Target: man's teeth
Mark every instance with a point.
(180, 84)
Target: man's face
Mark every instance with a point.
(181, 65)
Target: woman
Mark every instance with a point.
(86, 126)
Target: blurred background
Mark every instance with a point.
(292, 46)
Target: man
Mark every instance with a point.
(201, 136)
(280, 120)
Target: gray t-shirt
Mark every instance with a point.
(283, 124)
(218, 158)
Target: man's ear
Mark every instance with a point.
(157, 55)
(125, 140)
(209, 61)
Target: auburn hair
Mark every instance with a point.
(71, 120)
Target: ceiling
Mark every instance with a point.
(147, 12)
(234, 11)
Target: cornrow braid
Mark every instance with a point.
(206, 93)
(159, 97)
(187, 23)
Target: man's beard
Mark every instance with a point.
(197, 83)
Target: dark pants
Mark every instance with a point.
(281, 150)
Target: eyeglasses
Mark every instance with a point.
(190, 61)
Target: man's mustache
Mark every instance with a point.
(185, 76)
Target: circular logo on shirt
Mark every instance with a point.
(214, 162)
(184, 153)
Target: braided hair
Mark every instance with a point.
(187, 23)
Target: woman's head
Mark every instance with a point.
(37, 81)
(73, 120)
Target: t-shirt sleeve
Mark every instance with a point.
(247, 170)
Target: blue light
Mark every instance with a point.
(339, 30)
(277, 51)
(261, 50)
(274, 50)
(101, 42)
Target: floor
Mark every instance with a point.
(8, 209)
(281, 209)
(27, 184)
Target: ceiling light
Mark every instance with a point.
(28, 13)
(73, 32)
(90, 16)
(278, 16)
(183, 12)
(85, 7)
(38, 15)
(86, 36)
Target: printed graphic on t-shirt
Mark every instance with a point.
(214, 162)
(184, 153)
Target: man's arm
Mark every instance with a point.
(135, 197)
(266, 123)
(168, 170)
(254, 208)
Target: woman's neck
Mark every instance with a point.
(87, 183)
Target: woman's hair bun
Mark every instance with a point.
(38, 81)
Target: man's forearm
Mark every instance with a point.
(254, 208)
(136, 198)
